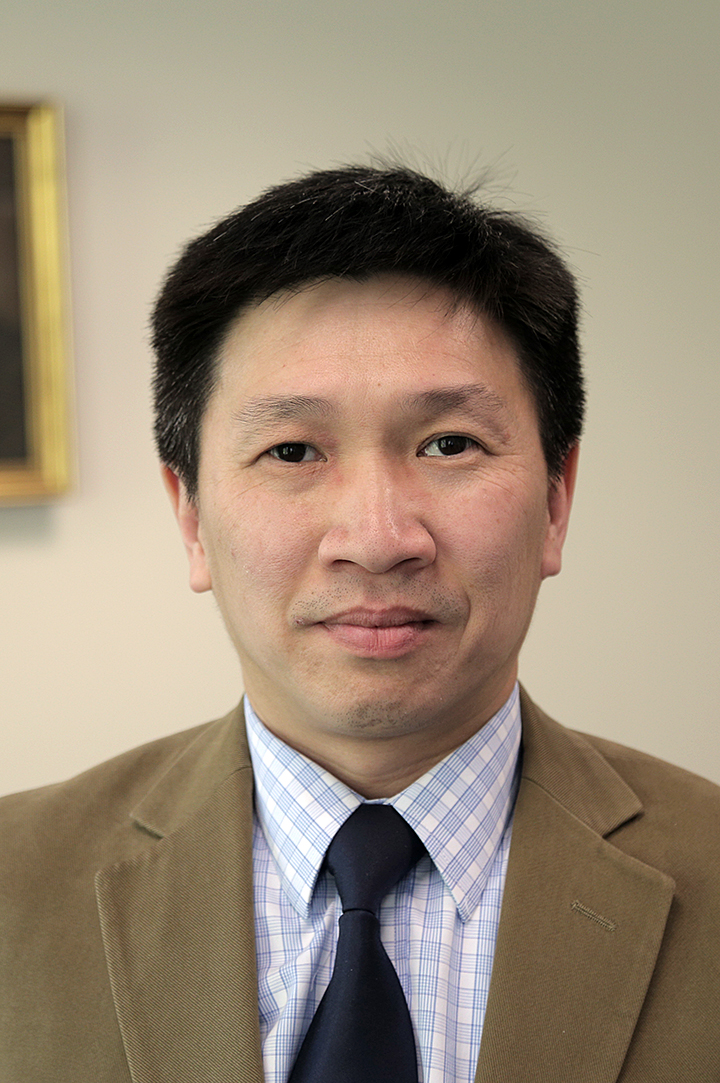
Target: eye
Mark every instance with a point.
(294, 453)
(448, 445)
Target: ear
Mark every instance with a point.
(186, 513)
(560, 494)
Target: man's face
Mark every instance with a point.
(374, 514)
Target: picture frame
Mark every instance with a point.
(34, 354)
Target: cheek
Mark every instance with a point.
(499, 539)
(257, 555)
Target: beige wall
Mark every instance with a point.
(600, 117)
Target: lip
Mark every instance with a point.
(391, 617)
(373, 633)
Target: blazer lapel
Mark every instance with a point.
(178, 922)
(581, 923)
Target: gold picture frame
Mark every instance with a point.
(34, 369)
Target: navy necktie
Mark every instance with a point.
(361, 1031)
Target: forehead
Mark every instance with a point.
(388, 328)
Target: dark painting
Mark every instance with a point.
(13, 435)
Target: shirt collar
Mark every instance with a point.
(459, 808)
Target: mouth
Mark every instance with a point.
(378, 633)
(393, 617)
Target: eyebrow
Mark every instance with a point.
(442, 400)
(477, 400)
(262, 412)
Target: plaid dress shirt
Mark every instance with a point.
(439, 926)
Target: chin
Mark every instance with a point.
(374, 717)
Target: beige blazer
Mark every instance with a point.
(128, 946)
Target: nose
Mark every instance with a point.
(375, 521)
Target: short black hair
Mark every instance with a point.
(356, 222)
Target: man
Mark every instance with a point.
(368, 407)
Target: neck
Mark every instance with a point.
(381, 765)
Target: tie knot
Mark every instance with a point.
(371, 852)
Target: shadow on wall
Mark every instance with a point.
(27, 525)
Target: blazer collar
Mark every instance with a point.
(581, 922)
(217, 752)
(573, 773)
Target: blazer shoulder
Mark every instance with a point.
(657, 781)
(85, 821)
(660, 814)
(678, 827)
(127, 772)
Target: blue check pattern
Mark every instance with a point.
(439, 926)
